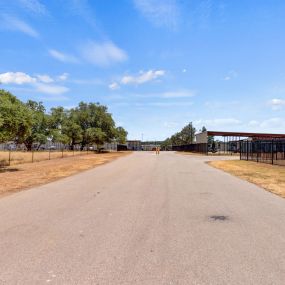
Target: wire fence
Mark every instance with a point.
(14, 157)
(11, 154)
(266, 151)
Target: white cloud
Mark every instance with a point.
(34, 6)
(184, 70)
(40, 83)
(16, 78)
(272, 123)
(253, 123)
(103, 54)
(51, 89)
(15, 24)
(221, 105)
(143, 77)
(159, 12)
(277, 104)
(231, 75)
(63, 57)
(63, 77)
(114, 86)
(218, 122)
(45, 78)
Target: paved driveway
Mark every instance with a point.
(144, 219)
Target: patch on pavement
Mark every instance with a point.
(219, 218)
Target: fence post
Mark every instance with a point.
(32, 156)
(272, 152)
(62, 153)
(9, 157)
(49, 154)
(247, 150)
(257, 151)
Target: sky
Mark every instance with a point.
(156, 64)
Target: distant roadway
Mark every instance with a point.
(144, 219)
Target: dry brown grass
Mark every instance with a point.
(24, 176)
(269, 177)
(18, 157)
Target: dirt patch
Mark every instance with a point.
(27, 175)
(269, 177)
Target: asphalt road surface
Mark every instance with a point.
(144, 219)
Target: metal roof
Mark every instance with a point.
(243, 134)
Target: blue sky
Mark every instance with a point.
(157, 64)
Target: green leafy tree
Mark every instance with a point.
(72, 131)
(187, 134)
(94, 116)
(121, 135)
(89, 123)
(38, 133)
(166, 145)
(96, 136)
(56, 120)
(15, 118)
(210, 138)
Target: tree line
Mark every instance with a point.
(185, 136)
(30, 124)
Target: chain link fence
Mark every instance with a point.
(11, 154)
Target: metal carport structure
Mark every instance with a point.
(259, 147)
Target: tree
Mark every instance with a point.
(56, 120)
(166, 145)
(121, 135)
(15, 118)
(210, 138)
(29, 124)
(96, 136)
(73, 132)
(57, 124)
(187, 134)
(94, 116)
(38, 133)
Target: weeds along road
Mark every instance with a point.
(144, 219)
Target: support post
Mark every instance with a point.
(247, 150)
(239, 149)
(9, 157)
(272, 152)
